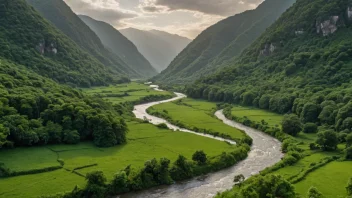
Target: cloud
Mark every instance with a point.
(213, 7)
(105, 10)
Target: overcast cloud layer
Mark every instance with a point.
(184, 17)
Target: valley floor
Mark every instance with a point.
(146, 142)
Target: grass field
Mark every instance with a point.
(145, 142)
(331, 180)
(197, 113)
(257, 115)
(134, 91)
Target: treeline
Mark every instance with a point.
(156, 172)
(37, 111)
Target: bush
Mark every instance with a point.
(348, 153)
(162, 126)
(291, 124)
(200, 157)
(310, 128)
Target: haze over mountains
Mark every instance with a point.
(119, 44)
(222, 42)
(159, 47)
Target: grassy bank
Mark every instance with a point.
(145, 142)
(196, 115)
(313, 168)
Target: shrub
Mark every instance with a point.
(310, 128)
(162, 126)
(200, 157)
(291, 124)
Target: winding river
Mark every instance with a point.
(265, 152)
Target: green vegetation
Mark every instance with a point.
(120, 45)
(303, 164)
(331, 180)
(199, 117)
(132, 92)
(60, 15)
(27, 39)
(221, 44)
(145, 142)
(37, 111)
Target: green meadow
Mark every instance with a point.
(126, 92)
(145, 142)
(331, 178)
(257, 115)
(196, 113)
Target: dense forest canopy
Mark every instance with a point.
(26, 38)
(38, 111)
(300, 65)
(222, 43)
(62, 17)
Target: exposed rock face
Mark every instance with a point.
(42, 48)
(327, 27)
(299, 32)
(268, 49)
(349, 12)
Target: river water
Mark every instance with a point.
(265, 152)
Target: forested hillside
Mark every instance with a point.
(38, 111)
(301, 64)
(59, 14)
(27, 39)
(222, 43)
(120, 45)
(160, 48)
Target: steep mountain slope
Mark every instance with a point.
(120, 45)
(222, 42)
(301, 64)
(59, 14)
(26, 38)
(160, 48)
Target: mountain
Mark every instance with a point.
(61, 16)
(120, 45)
(302, 64)
(26, 38)
(160, 48)
(221, 43)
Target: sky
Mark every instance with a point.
(183, 17)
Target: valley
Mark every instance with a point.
(175, 99)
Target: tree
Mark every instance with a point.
(181, 169)
(4, 132)
(310, 128)
(200, 157)
(348, 153)
(314, 193)
(310, 113)
(327, 140)
(349, 187)
(96, 184)
(349, 140)
(239, 179)
(120, 183)
(268, 186)
(291, 124)
(71, 137)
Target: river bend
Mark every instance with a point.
(265, 152)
